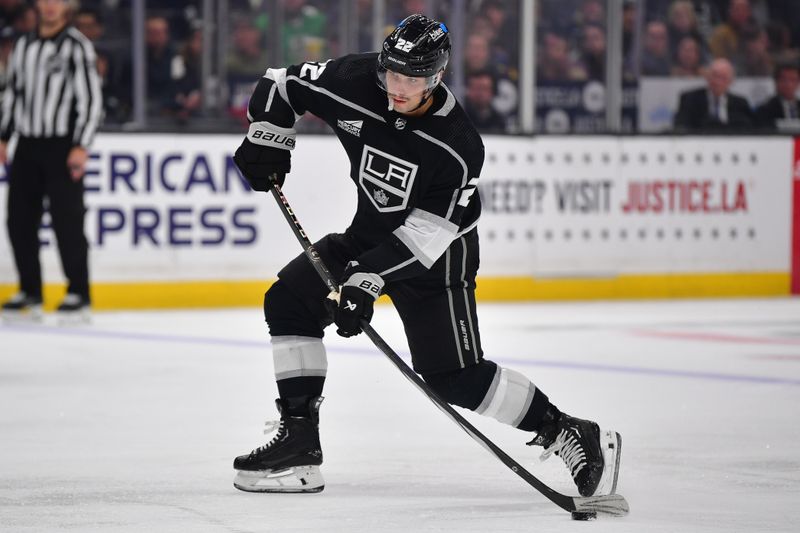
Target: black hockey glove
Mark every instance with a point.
(258, 162)
(357, 296)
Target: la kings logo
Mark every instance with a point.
(386, 179)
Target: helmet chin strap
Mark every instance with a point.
(424, 98)
(427, 94)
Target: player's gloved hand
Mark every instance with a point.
(357, 296)
(258, 162)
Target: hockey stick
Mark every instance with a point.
(613, 504)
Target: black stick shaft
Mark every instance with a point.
(565, 502)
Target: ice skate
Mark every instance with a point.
(23, 308)
(592, 455)
(74, 309)
(290, 461)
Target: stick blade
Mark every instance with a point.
(612, 505)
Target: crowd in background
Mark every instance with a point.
(661, 38)
(677, 38)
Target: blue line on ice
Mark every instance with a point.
(156, 337)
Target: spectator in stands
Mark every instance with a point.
(478, 58)
(591, 12)
(754, 59)
(629, 22)
(655, 52)
(303, 33)
(26, 20)
(247, 61)
(477, 53)
(593, 52)
(248, 58)
(189, 85)
(706, 13)
(784, 105)
(89, 22)
(555, 63)
(8, 12)
(164, 67)
(116, 97)
(688, 60)
(786, 13)
(714, 108)
(682, 22)
(6, 45)
(727, 39)
(480, 91)
(780, 42)
(504, 45)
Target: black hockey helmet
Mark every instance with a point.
(419, 47)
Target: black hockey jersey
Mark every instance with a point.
(416, 176)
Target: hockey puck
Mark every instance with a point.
(576, 515)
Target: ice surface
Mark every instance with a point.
(131, 424)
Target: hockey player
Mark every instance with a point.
(415, 158)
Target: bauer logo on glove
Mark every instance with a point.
(357, 296)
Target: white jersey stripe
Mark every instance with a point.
(426, 235)
(466, 296)
(10, 90)
(336, 97)
(81, 93)
(46, 56)
(456, 338)
(96, 110)
(31, 70)
(55, 91)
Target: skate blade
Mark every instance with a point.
(295, 479)
(611, 444)
(28, 316)
(74, 318)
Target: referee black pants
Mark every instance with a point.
(38, 171)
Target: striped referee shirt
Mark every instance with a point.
(53, 89)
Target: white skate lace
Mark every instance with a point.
(269, 427)
(570, 451)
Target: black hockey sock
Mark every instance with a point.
(547, 425)
(296, 393)
(540, 413)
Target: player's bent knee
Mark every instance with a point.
(286, 314)
(465, 387)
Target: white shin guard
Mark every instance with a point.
(296, 356)
(509, 397)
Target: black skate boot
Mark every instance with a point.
(290, 461)
(23, 306)
(591, 454)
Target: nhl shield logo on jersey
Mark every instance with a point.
(386, 179)
(400, 123)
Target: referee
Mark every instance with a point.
(53, 102)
